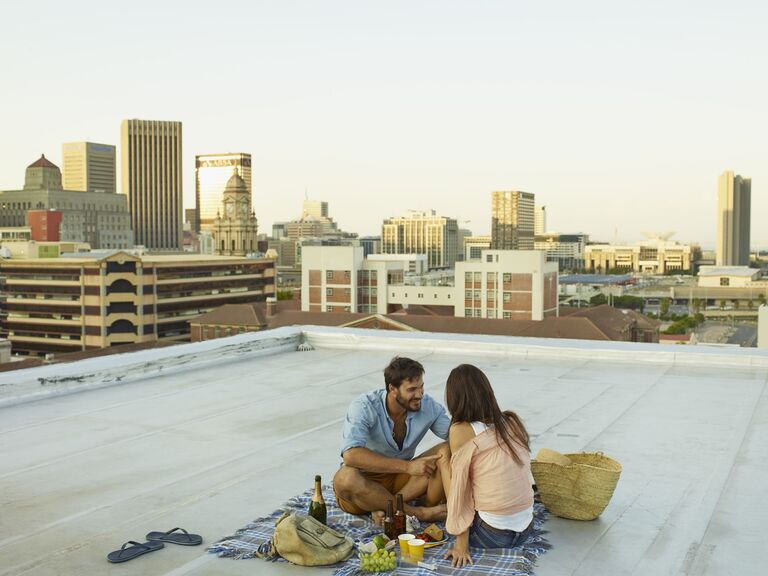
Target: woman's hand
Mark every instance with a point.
(459, 554)
(459, 558)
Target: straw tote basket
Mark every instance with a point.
(575, 486)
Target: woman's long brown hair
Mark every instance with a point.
(470, 398)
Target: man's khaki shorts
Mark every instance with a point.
(392, 482)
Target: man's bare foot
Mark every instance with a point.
(378, 517)
(431, 513)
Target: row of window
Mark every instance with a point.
(477, 313)
(490, 295)
(490, 277)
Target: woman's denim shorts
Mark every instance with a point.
(483, 535)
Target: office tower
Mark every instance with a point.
(150, 152)
(212, 172)
(316, 208)
(733, 219)
(512, 217)
(422, 233)
(88, 167)
(540, 220)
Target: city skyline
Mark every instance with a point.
(601, 111)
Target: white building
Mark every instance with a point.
(507, 284)
(730, 276)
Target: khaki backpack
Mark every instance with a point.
(304, 541)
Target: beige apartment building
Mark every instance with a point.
(150, 152)
(733, 219)
(654, 257)
(89, 167)
(512, 220)
(212, 173)
(422, 233)
(97, 300)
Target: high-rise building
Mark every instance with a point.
(733, 219)
(316, 208)
(512, 220)
(212, 172)
(150, 152)
(88, 167)
(422, 233)
(540, 220)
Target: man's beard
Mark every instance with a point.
(407, 405)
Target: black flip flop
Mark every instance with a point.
(131, 549)
(185, 539)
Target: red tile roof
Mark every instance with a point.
(43, 162)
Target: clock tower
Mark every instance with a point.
(235, 229)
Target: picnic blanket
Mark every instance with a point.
(252, 541)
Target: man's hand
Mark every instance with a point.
(424, 466)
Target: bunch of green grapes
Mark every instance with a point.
(379, 561)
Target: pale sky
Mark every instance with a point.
(618, 115)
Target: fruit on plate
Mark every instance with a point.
(379, 561)
(424, 536)
(434, 532)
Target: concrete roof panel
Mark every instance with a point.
(210, 435)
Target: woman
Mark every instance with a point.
(488, 480)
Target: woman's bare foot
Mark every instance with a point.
(378, 517)
(431, 513)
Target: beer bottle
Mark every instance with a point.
(388, 522)
(317, 507)
(398, 525)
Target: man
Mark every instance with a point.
(381, 433)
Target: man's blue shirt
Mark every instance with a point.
(368, 425)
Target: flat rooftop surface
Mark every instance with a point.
(211, 435)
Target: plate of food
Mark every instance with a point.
(433, 536)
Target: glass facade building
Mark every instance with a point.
(212, 172)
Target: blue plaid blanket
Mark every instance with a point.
(252, 541)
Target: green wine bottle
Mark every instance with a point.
(317, 508)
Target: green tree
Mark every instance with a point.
(285, 294)
(664, 306)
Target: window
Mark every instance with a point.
(507, 296)
(468, 277)
(329, 291)
(490, 295)
(468, 312)
(329, 308)
(489, 257)
(478, 313)
(507, 315)
(725, 281)
(477, 294)
(329, 275)
(347, 274)
(491, 314)
(478, 277)
(507, 277)
(491, 277)
(468, 294)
